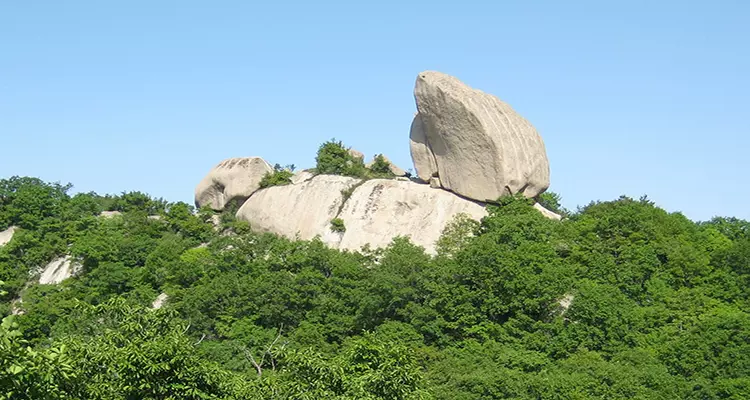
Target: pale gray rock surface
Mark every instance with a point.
(421, 153)
(234, 179)
(303, 210)
(16, 307)
(357, 154)
(482, 148)
(59, 270)
(563, 305)
(547, 213)
(381, 209)
(7, 235)
(109, 214)
(435, 182)
(302, 176)
(159, 302)
(375, 212)
(216, 221)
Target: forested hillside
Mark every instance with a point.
(620, 300)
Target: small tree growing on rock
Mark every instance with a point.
(381, 167)
(335, 159)
(279, 176)
(337, 225)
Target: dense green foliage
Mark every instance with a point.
(334, 158)
(381, 167)
(337, 225)
(279, 176)
(620, 300)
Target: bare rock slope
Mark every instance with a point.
(381, 209)
(373, 212)
(303, 210)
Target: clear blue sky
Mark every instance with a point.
(631, 97)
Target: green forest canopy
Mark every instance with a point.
(620, 300)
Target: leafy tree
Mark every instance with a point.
(456, 235)
(279, 176)
(551, 201)
(380, 167)
(128, 352)
(337, 225)
(27, 202)
(335, 159)
(27, 373)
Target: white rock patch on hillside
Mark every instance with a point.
(59, 270)
(7, 235)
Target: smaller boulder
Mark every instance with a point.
(547, 213)
(435, 182)
(232, 180)
(357, 154)
(109, 214)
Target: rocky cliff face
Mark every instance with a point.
(468, 148)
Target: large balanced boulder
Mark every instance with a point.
(232, 180)
(302, 210)
(475, 143)
(381, 209)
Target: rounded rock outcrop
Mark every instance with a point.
(232, 180)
